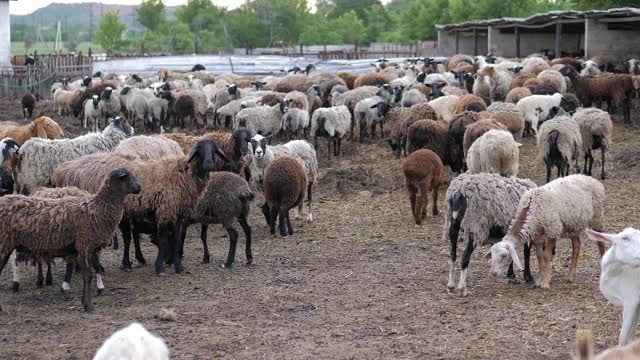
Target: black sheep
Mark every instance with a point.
(28, 103)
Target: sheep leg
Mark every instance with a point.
(382, 129)
(548, 165)
(114, 242)
(629, 320)
(87, 276)
(434, 194)
(99, 269)
(273, 216)
(453, 247)
(585, 170)
(247, 235)
(49, 278)
(206, 258)
(15, 273)
(548, 256)
(309, 198)
(289, 227)
(466, 258)
(421, 201)
(283, 219)
(176, 234)
(233, 242)
(541, 267)
(575, 252)
(163, 245)
(527, 269)
(626, 111)
(39, 277)
(339, 147)
(412, 199)
(136, 246)
(125, 228)
(67, 277)
(330, 140)
(602, 150)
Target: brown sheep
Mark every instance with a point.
(469, 103)
(455, 61)
(285, 185)
(291, 83)
(423, 172)
(42, 127)
(400, 119)
(429, 134)
(349, 79)
(520, 78)
(272, 99)
(78, 104)
(516, 94)
(370, 79)
(457, 128)
(477, 129)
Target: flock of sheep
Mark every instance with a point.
(462, 112)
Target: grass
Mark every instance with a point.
(18, 48)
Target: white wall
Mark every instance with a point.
(5, 33)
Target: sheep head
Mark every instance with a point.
(502, 254)
(106, 93)
(124, 182)
(202, 156)
(259, 145)
(239, 141)
(120, 124)
(382, 108)
(568, 71)
(625, 245)
(46, 128)
(231, 89)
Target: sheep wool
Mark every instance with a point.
(494, 152)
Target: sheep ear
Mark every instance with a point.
(41, 132)
(193, 154)
(487, 256)
(602, 237)
(514, 256)
(220, 153)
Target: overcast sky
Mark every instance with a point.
(22, 7)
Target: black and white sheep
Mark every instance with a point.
(595, 128)
(559, 144)
(332, 123)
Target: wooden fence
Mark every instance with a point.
(15, 81)
(65, 65)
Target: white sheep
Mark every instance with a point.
(412, 97)
(536, 108)
(478, 204)
(619, 274)
(294, 121)
(563, 208)
(590, 68)
(494, 152)
(133, 343)
(595, 128)
(333, 123)
(444, 107)
(365, 116)
(91, 113)
(263, 120)
(559, 143)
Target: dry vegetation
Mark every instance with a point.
(361, 282)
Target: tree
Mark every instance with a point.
(151, 14)
(244, 28)
(199, 16)
(350, 28)
(109, 33)
(324, 8)
(319, 31)
(378, 20)
(358, 6)
(284, 20)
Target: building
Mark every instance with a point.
(5, 33)
(615, 32)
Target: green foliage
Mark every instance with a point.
(378, 21)
(283, 20)
(358, 6)
(350, 28)
(319, 31)
(72, 42)
(109, 34)
(244, 28)
(151, 14)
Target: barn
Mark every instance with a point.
(566, 33)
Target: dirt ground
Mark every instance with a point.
(360, 282)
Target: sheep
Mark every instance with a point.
(476, 130)
(148, 147)
(297, 100)
(27, 103)
(457, 129)
(366, 116)
(520, 79)
(139, 110)
(412, 97)
(429, 134)
(295, 120)
(480, 206)
(584, 349)
(616, 89)
(565, 207)
(180, 107)
(109, 105)
(595, 128)
(263, 120)
(444, 107)
(39, 157)
(84, 224)
(559, 143)
(285, 183)
(555, 78)
(469, 103)
(92, 113)
(500, 82)
(63, 101)
(494, 152)
(508, 115)
(134, 343)
(537, 108)
(349, 79)
(534, 65)
(482, 87)
(400, 119)
(516, 94)
(222, 97)
(332, 123)
(226, 197)
(423, 172)
(370, 79)
(43, 127)
(8, 160)
(619, 272)
(453, 90)
(78, 103)
(6, 182)
(159, 112)
(229, 111)
(589, 68)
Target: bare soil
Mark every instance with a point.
(360, 282)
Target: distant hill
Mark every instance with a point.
(78, 15)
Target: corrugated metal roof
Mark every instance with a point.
(542, 18)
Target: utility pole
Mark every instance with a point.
(58, 43)
(91, 22)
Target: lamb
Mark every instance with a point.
(28, 102)
(109, 105)
(494, 152)
(139, 110)
(595, 128)
(332, 123)
(63, 101)
(444, 107)
(263, 120)
(134, 343)
(84, 224)
(508, 115)
(475, 130)
(559, 143)
(429, 134)
(537, 108)
(294, 121)
(423, 172)
(366, 116)
(500, 82)
(400, 119)
(39, 157)
(92, 113)
(180, 107)
(148, 147)
(616, 89)
(516, 94)
(285, 183)
(565, 207)
(584, 349)
(159, 109)
(226, 197)
(619, 272)
(481, 206)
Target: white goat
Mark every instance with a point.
(134, 343)
(619, 274)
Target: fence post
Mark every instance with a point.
(301, 50)
(356, 50)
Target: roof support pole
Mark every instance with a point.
(457, 42)
(558, 38)
(517, 36)
(475, 42)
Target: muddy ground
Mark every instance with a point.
(362, 281)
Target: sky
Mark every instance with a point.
(22, 7)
